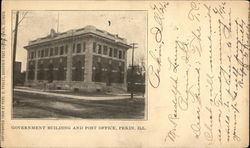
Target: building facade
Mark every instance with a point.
(85, 59)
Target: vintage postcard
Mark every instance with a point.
(124, 73)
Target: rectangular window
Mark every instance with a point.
(110, 52)
(61, 50)
(78, 48)
(39, 53)
(99, 49)
(84, 47)
(115, 52)
(46, 52)
(120, 54)
(51, 52)
(56, 50)
(32, 55)
(94, 47)
(66, 49)
(105, 50)
(42, 53)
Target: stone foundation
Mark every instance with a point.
(78, 86)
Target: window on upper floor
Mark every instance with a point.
(110, 52)
(42, 53)
(120, 54)
(115, 52)
(39, 53)
(105, 50)
(46, 52)
(78, 48)
(99, 49)
(94, 47)
(61, 50)
(31, 55)
(51, 52)
(56, 50)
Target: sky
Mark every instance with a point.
(131, 25)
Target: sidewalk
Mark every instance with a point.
(123, 96)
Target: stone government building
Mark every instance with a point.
(85, 59)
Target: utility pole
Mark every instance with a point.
(15, 38)
(15, 42)
(132, 71)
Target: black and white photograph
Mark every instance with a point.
(79, 64)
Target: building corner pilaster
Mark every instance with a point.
(88, 61)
